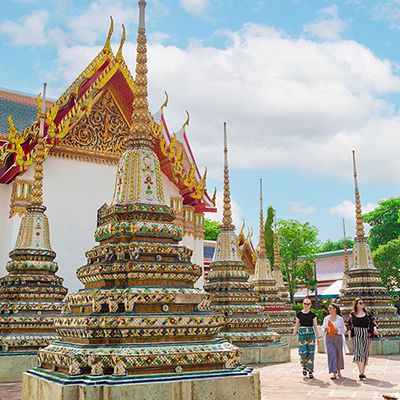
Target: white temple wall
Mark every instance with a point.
(73, 192)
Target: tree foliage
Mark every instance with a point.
(387, 260)
(298, 245)
(384, 221)
(269, 234)
(330, 245)
(211, 229)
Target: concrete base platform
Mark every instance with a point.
(13, 365)
(293, 342)
(379, 347)
(272, 353)
(239, 384)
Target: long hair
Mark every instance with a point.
(355, 302)
(337, 308)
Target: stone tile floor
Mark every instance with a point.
(285, 382)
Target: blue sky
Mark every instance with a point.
(300, 83)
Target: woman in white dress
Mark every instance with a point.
(335, 343)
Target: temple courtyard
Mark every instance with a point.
(284, 381)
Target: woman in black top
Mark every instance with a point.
(361, 328)
(307, 329)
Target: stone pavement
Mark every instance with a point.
(285, 382)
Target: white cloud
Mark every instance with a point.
(301, 208)
(328, 26)
(196, 7)
(388, 11)
(29, 31)
(236, 212)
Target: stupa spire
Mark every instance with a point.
(359, 222)
(277, 270)
(261, 244)
(37, 187)
(141, 133)
(227, 223)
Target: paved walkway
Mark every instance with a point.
(284, 381)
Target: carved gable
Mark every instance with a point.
(98, 136)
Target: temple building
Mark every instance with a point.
(139, 329)
(83, 138)
(362, 279)
(31, 293)
(273, 298)
(234, 296)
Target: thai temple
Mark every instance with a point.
(139, 328)
(234, 296)
(31, 293)
(273, 298)
(84, 140)
(362, 280)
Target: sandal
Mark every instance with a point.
(304, 372)
(311, 375)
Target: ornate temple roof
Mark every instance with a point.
(103, 89)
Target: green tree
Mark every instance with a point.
(330, 245)
(384, 221)
(298, 245)
(387, 260)
(269, 234)
(211, 229)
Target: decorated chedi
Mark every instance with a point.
(272, 297)
(362, 279)
(139, 322)
(234, 296)
(31, 294)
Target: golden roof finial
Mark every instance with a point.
(345, 256)
(186, 123)
(165, 104)
(141, 133)
(119, 57)
(107, 44)
(227, 223)
(37, 187)
(359, 219)
(261, 244)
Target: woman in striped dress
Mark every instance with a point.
(361, 327)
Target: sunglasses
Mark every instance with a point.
(307, 304)
(361, 302)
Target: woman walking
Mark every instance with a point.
(361, 328)
(335, 344)
(307, 329)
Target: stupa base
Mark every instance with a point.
(265, 354)
(290, 340)
(238, 384)
(379, 347)
(13, 365)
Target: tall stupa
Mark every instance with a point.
(272, 297)
(363, 280)
(139, 329)
(234, 296)
(31, 294)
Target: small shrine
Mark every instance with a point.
(273, 297)
(234, 296)
(362, 279)
(139, 326)
(31, 294)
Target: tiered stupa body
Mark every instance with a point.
(31, 294)
(139, 318)
(234, 296)
(363, 280)
(272, 297)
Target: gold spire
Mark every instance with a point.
(107, 44)
(359, 221)
(119, 57)
(227, 223)
(141, 133)
(261, 244)
(37, 187)
(277, 254)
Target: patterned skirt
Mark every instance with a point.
(361, 343)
